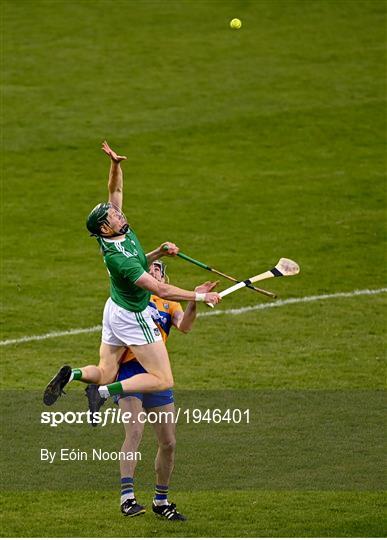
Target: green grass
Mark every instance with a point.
(244, 146)
(255, 513)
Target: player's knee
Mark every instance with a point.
(170, 382)
(168, 445)
(106, 376)
(134, 436)
(166, 383)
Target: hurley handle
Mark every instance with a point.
(190, 259)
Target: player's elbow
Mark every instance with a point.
(184, 330)
(163, 290)
(149, 283)
(155, 288)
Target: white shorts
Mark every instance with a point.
(123, 328)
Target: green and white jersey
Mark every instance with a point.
(126, 262)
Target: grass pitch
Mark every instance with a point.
(244, 146)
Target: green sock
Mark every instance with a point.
(115, 388)
(112, 389)
(76, 374)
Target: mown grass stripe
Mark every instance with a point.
(237, 311)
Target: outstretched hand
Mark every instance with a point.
(208, 286)
(109, 152)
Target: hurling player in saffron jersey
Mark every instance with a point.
(165, 314)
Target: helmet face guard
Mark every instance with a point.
(100, 216)
(162, 267)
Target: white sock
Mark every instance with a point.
(161, 502)
(103, 391)
(126, 497)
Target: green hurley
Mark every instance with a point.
(206, 267)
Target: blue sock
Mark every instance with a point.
(127, 489)
(161, 495)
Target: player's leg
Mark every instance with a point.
(165, 429)
(154, 359)
(110, 352)
(140, 333)
(104, 373)
(133, 434)
(158, 377)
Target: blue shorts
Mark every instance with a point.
(155, 399)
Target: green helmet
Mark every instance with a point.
(97, 217)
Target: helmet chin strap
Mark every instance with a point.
(124, 229)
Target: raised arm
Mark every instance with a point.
(183, 321)
(115, 184)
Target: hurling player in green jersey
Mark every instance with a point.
(127, 320)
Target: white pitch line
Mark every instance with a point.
(239, 311)
(303, 300)
(72, 332)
